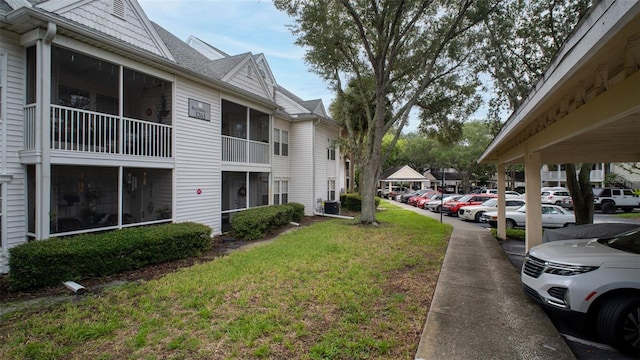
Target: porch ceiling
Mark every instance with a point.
(587, 106)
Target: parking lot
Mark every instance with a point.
(584, 343)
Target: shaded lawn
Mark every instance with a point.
(333, 290)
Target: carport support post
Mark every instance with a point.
(502, 227)
(533, 216)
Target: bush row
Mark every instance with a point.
(44, 263)
(353, 201)
(252, 224)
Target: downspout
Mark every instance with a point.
(4, 177)
(43, 199)
(314, 199)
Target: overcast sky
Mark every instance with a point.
(240, 26)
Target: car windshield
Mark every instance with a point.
(465, 198)
(628, 241)
(490, 203)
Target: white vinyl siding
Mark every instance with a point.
(280, 168)
(11, 135)
(246, 79)
(301, 185)
(321, 164)
(198, 159)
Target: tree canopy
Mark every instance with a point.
(520, 39)
(417, 53)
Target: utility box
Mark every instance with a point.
(332, 207)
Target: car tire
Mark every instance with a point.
(608, 207)
(618, 323)
(438, 209)
(478, 216)
(569, 225)
(510, 224)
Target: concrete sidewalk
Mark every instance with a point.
(479, 310)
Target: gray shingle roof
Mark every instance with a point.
(4, 7)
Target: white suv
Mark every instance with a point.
(554, 195)
(596, 279)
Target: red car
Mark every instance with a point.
(451, 208)
(414, 199)
(425, 199)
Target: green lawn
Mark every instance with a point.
(333, 290)
(635, 215)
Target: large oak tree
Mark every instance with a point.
(416, 52)
(521, 37)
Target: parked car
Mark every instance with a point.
(451, 207)
(611, 199)
(567, 203)
(507, 193)
(413, 201)
(554, 195)
(595, 280)
(435, 205)
(395, 190)
(405, 197)
(474, 212)
(423, 200)
(553, 216)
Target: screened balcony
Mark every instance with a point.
(100, 107)
(245, 134)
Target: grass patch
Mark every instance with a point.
(333, 290)
(631, 215)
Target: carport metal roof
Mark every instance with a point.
(585, 108)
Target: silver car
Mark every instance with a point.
(553, 216)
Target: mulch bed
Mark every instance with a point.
(221, 245)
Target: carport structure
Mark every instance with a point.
(585, 108)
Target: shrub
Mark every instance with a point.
(252, 224)
(512, 234)
(353, 201)
(44, 263)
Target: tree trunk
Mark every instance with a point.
(368, 192)
(581, 192)
(371, 169)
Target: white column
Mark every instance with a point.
(43, 169)
(502, 228)
(533, 183)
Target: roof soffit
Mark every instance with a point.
(587, 66)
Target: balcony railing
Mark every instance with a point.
(245, 151)
(87, 131)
